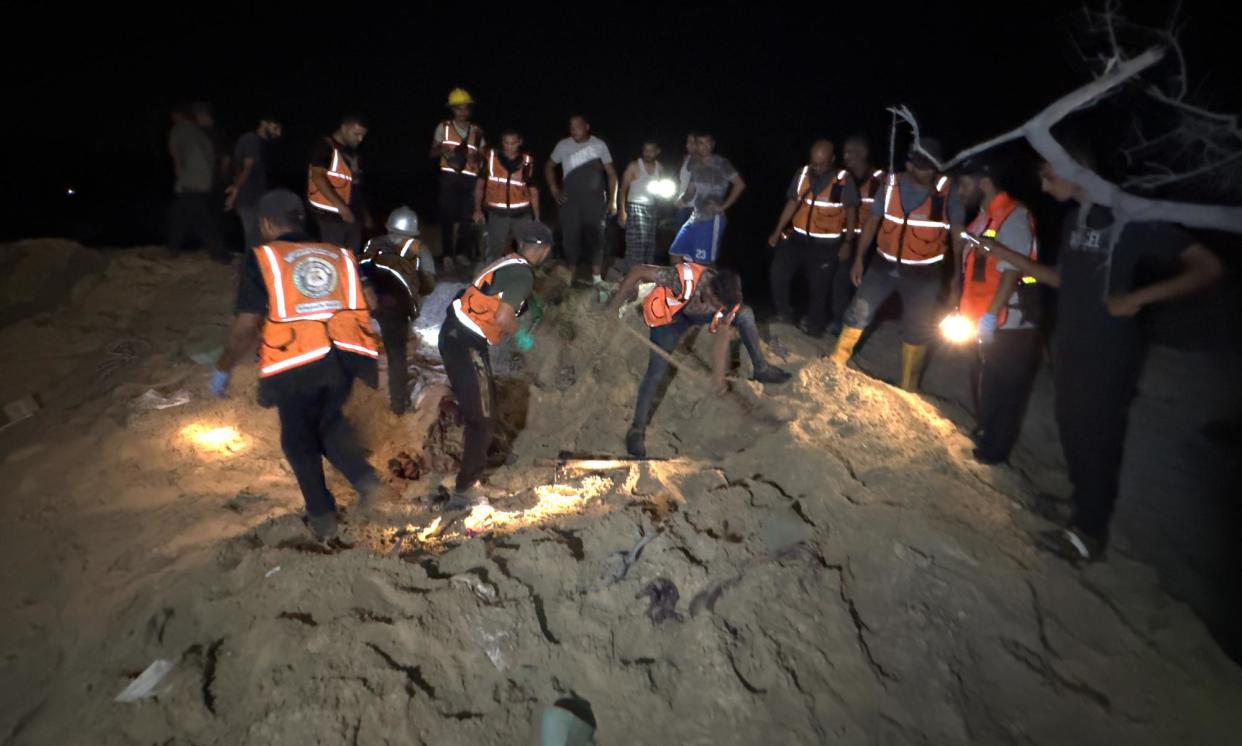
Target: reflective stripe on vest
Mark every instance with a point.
(809, 203)
(981, 275)
(340, 177)
(460, 312)
(452, 138)
(903, 221)
(315, 303)
(508, 180)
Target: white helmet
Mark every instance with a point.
(403, 220)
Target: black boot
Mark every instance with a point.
(635, 444)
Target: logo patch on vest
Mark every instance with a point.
(314, 277)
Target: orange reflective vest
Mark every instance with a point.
(662, 304)
(919, 236)
(315, 303)
(400, 264)
(980, 276)
(476, 310)
(453, 141)
(820, 215)
(340, 176)
(867, 191)
(507, 190)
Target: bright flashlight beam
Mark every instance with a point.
(958, 329)
(662, 188)
(224, 440)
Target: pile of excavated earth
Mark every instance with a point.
(818, 562)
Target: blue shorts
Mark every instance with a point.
(700, 240)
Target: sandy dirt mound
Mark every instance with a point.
(814, 563)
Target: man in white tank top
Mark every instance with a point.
(638, 213)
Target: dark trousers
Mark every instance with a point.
(1001, 378)
(817, 261)
(249, 217)
(395, 332)
(470, 374)
(312, 426)
(919, 288)
(456, 212)
(502, 228)
(1094, 388)
(333, 230)
(191, 221)
(582, 228)
(666, 338)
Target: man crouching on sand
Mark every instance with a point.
(686, 296)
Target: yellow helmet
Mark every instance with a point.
(460, 97)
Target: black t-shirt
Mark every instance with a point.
(1144, 249)
(251, 147)
(321, 157)
(252, 298)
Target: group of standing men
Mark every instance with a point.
(307, 302)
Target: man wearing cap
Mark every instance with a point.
(457, 144)
(915, 224)
(1005, 308)
(400, 269)
(820, 210)
(486, 313)
(304, 302)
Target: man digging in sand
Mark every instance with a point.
(486, 313)
(303, 301)
(686, 296)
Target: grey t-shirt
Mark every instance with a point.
(912, 195)
(251, 147)
(582, 164)
(192, 148)
(710, 178)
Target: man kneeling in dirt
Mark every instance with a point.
(686, 296)
(304, 301)
(486, 313)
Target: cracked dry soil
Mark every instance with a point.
(824, 565)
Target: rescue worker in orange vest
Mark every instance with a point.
(486, 313)
(334, 186)
(400, 270)
(916, 224)
(301, 303)
(457, 144)
(1005, 308)
(687, 295)
(820, 212)
(506, 193)
(870, 182)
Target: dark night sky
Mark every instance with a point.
(766, 78)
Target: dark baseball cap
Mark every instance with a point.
(534, 232)
(282, 207)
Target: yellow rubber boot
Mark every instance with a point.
(911, 365)
(846, 343)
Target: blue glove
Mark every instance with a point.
(220, 383)
(987, 328)
(523, 340)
